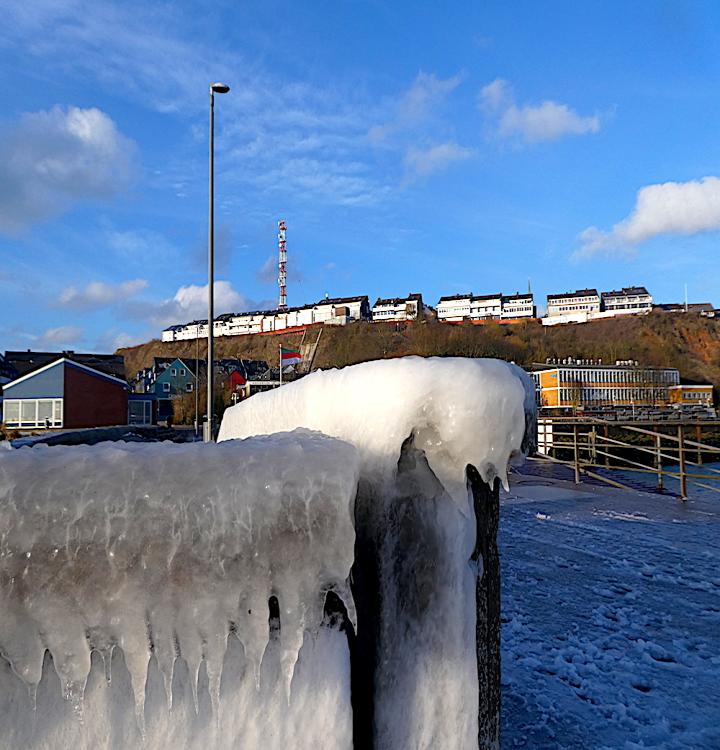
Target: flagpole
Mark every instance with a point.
(280, 364)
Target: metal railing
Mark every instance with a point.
(596, 448)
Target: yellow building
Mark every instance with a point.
(692, 395)
(568, 386)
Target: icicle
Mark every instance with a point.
(292, 621)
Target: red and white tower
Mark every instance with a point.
(282, 262)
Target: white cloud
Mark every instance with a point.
(52, 159)
(547, 121)
(424, 97)
(192, 300)
(421, 162)
(190, 303)
(292, 138)
(667, 208)
(59, 336)
(99, 294)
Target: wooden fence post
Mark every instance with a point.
(658, 458)
(607, 447)
(698, 435)
(486, 501)
(681, 460)
(576, 454)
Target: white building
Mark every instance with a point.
(454, 308)
(486, 307)
(170, 333)
(518, 306)
(458, 307)
(630, 300)
(337, 311)
(582, 303)
(398, 308)
(341, 310)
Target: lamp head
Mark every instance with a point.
(219, 88)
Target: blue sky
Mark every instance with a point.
(410, 147)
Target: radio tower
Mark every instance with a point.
(282, 261)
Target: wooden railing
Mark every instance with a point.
(596, 448)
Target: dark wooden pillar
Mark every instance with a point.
(486, 501)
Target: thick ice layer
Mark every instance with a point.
(462, 411)
(163, 550)
(416, 534)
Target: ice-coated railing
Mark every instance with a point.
(154, 558)
(217, 586)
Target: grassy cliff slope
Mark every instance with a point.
(688, 342)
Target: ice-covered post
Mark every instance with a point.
(435, 437)
(486, 503)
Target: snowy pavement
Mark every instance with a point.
(611, 618)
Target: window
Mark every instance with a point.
(33, 412)
(11, 412)
(173, 371)
(189, 387)
(166, 387)
(182, 372)
(28, 412)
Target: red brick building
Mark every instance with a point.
(65, 394)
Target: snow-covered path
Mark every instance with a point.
(611, 610)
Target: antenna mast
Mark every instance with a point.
(282, 261)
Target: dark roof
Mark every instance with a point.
(528, 295)
(626, 291)
(478, 297)
(27, 361)
(398, 300)
(339, 300)
(7, 371)
(578, 293)
(450, 297)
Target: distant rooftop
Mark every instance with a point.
(626, 291)
(24, 362)
(577, 293)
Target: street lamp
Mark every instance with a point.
(215, 88)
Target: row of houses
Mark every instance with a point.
(578, 306)
(588, 304)
(328, 311)
(458, 307)
(344, 310)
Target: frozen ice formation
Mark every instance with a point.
(462, 411)
(417, 424)
(204, 596)
(172, 553)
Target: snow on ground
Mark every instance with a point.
(611, 618)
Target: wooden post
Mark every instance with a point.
(592, 442)
(486, 501)
(576, 454)
(698, 435)
(607, 447)
(681, 460)
(658, 458)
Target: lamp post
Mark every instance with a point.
(215, 88)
